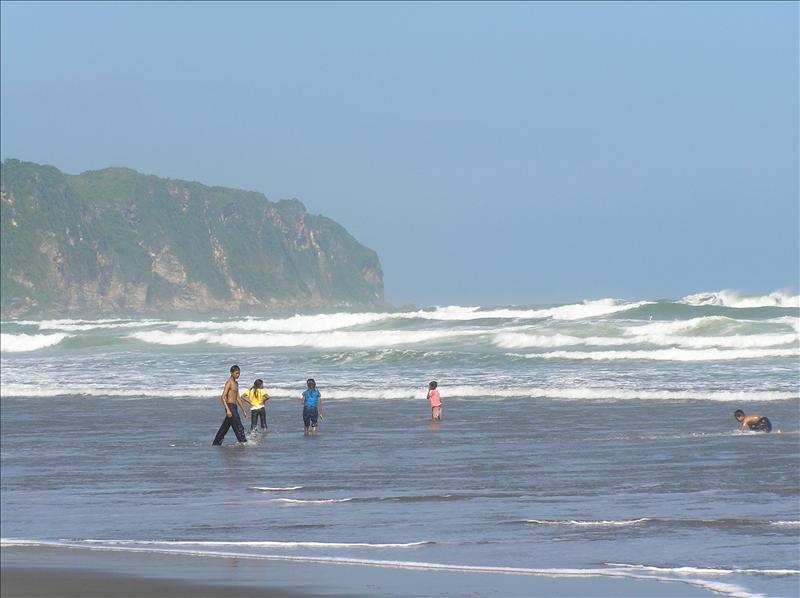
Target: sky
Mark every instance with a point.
(491, 153)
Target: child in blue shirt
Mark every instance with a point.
(312, 407)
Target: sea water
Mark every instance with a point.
(593, 439)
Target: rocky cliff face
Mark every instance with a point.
(116, 242)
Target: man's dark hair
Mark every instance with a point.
(738, 413)
(235, 368)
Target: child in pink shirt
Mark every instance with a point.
(436, 402)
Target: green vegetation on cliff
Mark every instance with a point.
(117, 242)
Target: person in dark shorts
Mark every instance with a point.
(312, 407)
(752, 423)
(232, 402)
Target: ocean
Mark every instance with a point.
(594, 439)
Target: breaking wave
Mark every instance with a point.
(330, 340)
(599, 323)
(711, 354)
(16, 343)
(516, 340)
(734, 299)
(577, 523)
(733, 525)
(408, 392)
(704, 570)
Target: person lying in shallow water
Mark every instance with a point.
(753, 423)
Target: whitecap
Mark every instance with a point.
(728, 298)
(584, 523)
(688, 570)
(329, 340)
(516, 340)
(711, 354)
(257, 544)
(317, 501)
(16, 343)
(34, 390)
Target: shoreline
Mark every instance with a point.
(37, 582)
(44, 572)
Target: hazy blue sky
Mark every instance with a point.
(490, 153)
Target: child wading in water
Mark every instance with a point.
(257, 397)
(312, 407)
(436, 402)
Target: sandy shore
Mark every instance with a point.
(29, 572)
(65, 583)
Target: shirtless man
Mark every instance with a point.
(753, 423)
(232, 402)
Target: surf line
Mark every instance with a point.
(722, 588)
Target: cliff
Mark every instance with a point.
(117, 242)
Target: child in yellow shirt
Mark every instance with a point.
(257, 397)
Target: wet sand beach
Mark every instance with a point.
(35, 572)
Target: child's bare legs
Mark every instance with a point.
(436, 414)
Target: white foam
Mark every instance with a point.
(103, 391)
(686, 332)
(328, 340)
(453, 313)
(630, 572)
(260, 544)
(577, 311)
(296, 323)
(268, 489)
(785, 523)
(737, 341)
(706, 570)
(516, 340)
(677, 333)
(313, 324)
(16, 343)
(684, 326)
(792, 321)
(734, 299)
(578, 523)
(23, 542)
(86, 325)
(408, 392)
(587, 393)
(590, 309)
(66, 322)
(711, 354)
(318, 501)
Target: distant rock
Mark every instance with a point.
(116, 242)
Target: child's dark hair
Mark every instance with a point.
(738, 413)
(433, 384)
(257, 385)
(235, 368)
(310, 383)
